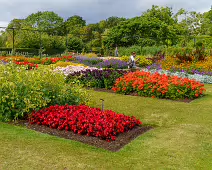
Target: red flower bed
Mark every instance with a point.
(69, 58)
(47, 61)
(85, 121)
(29, 65)
(160, 86)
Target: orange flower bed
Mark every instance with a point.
(160, 86)
(45, 61)
(172, 63)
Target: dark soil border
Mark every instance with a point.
(113, 146)
(135, 94)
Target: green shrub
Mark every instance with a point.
(140, 60)
(127, 51)
(125, 58)
(188, 53)
(143, 61)
(5, 49)
(23, 91)
(90, 55)
(27, 50)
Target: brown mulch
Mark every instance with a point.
(114, 146)
(135, 94)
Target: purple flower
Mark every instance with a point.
(88, 61)
(3, 62)
(155, 66)
(112, 63)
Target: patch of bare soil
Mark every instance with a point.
(114, 146)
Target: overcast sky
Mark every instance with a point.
(92, 10)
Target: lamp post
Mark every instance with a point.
(13, 40)
(40, 53)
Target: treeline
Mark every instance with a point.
(157, 26)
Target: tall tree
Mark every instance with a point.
(155, 27)
(86, 33)
(74, 23)
(114, 21)
(45, 21)
(207, 23)
(16, 23)
(2, 40)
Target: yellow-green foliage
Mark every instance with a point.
(90, 55)
(65, 64)
(23, 91)
(143, 61)
(125, 58)
(77, 64)
(62, 64)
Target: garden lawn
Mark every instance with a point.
(182, 139)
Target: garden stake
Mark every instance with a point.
(102, 104)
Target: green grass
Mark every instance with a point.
(182, 139)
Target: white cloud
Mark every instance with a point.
(3, 23)
(93, 10)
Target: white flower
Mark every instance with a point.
(71, 69)
(201, 78)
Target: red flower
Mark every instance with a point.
(160, 86)
(85, 120)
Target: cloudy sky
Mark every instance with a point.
(92, 10)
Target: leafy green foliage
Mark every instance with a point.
(188, 54)
(127, 51)
(74, 23)
(143, 61)
(45, 21)
(75, 44)
(2, 40)
(22, 91)
(157, 26)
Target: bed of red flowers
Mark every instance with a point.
(48, 61)
(21, 60)
(85, 120)
(29, 66)
(160, 86)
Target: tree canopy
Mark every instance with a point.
(156, 26)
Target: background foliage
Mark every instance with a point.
(25, 90)
(146, 34)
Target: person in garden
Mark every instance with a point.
(116, 52)
(131, 63)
